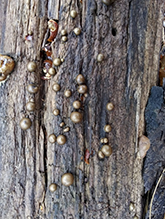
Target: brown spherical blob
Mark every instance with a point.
(77, 31)
(101, 155)
(56, 112)
(63, 32)
(52, 71)
(107, 128)
(110, 106)
(30, 106)
(61, 139)
(73, 13)
(80, 79)
(52, 138)
(31, 66)
(107, 150)
(107, 2)
(2, 77)
(100, 57)
(32, 88)
(53, 187)
(67, 179)
(105, 140)
(64, 38)
(56, 87)
(25, 123)
(62, 124)
(82, 89)
(77, 104)
(67, 129)
(68, 93)
(144, 145)
(76, 117)
(6, 65)
(57, 61)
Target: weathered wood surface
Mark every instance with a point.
(28, 162)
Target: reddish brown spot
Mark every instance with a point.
(87, 155)
(53, 30)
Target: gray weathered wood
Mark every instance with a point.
(28, 162)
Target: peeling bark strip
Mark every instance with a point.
(128, 34)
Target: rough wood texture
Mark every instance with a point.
(128, 33)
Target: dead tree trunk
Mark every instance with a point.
(128, 34)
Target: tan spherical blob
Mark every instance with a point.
(57, 61)
(67, 179)
(105, 140)
(80, 79)
(77, 104)
(53, 187)
(102, 140)
(56, 112)
(52, 138)
(67, 129)
(30, 106)
(144, 145)
(2, 77)
(64, 38)
(52, 71)
(31, 66)
(56, 87)
(82, 89)
(107, 2)
(61, 139)
(101, 155)
(25, 123)
(73, 13)
(6, 65)
(110, 106)
(107, 128)
(135, 217)
(76, 117)
(107, 150)
(63, 32)
(68, 93)
(100, 57)
(77, 31)
(32, 88)
(62, 124)
(131, 206)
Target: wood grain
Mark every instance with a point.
(128, 33)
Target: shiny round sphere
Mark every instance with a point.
(56, 112)
(2, 77)
(53, 187)
(73, 13)
(82, 89)
(100, 57)
(102, 140)
(80, 79)
(32, 88)
(61, 139)
(31, 66)
(25, 123)
(101, 155)
(57, 61)
(105, 140)
(52, 138)
(68, 93)
(110, 106)
(76, 117)
(107, 128)
(67, 129)
(30, 106)
(67, 179)
(56, 87)
(77, 31)
(62, 124)
(107, 150)
(63, 32)
(52, 71)
(64, 38)
(77, 104)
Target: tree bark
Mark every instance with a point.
(128, 34)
